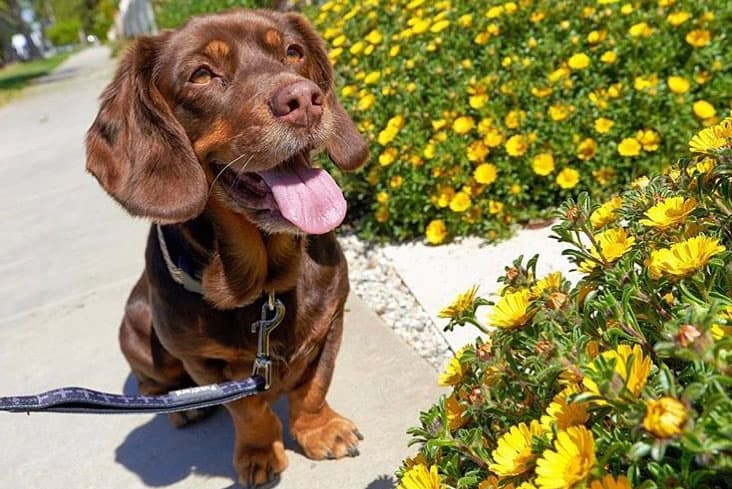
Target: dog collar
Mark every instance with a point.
(180, 269)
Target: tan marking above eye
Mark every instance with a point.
(201, 76)
(273, 37)
(217, 49)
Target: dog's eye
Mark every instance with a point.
(201, 76)
(295, 53)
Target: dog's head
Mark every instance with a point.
(229, 107)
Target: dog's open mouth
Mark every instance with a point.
(307, 197)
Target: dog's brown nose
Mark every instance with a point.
(300, 103)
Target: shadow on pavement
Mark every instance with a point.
(162, 455)
(383, 482)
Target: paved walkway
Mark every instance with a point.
(68, 258)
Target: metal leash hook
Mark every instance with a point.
(265, 326)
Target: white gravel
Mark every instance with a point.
(374, 279)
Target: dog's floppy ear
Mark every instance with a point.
(346, 148)
(137, 150)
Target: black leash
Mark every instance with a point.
(81, 400)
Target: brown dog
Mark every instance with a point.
(207, 131)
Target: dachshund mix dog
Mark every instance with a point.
(207, 131)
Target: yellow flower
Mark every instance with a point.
(641, 29)
(495, 207)
(511, 311)
(669, 212)
(477, 101)
(568, 178)
(420, 477)
(460, 202)
(603, 125)
(629, 147)
(564, 413)
(365, 102)
(635, 378)
(579, 61)
(460, 305)
(463, 125)
(512, 455)
(569, 463)
(454, 371)
(712, 138)
(516, 145)
(477, 151)
(640, 183)
(704, 110)
(609, 57)
(613, 244)
(698, 38)
(374, 37)
(559, 112)
(678, 84)
(486, 173)
(684, 258)
(493, 138)
(606, 213)
(609, 482)
(665, 417)
(372, 77)
(436, 232)
(440, 26)
(513, 118)
(678, 18)
(543, 164)
(586, 149)
(649, 139)
(387, 157)
(455, 413)
(551, 282)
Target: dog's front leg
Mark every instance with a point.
(320, 431)
(259, 454)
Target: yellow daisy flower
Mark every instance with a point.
(606, 213)
(460, 202)
(486, 173)
(698, 38)
(564, 413)
(684, 258)
(569, 463)
(543, 164)
(678, 18)
(512, 455)
(477, 151)
(568, 178)
(453, 373)
(613, 244)
(665, 417)
(511, 311)
(586, 149)
(649, 139)
(629, 147)
(462, 303)
(712, 138)
(703, 109)
(516, 145)
(609, 482)
(635, 378)
(603, 125)
(436, 232)
(420, 477)
(463, 125)
(551, 282)
(579, 61)
(678, 84)
(669, 212)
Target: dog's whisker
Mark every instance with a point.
(226, 167)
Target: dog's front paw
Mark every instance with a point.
(262, 465)
(326, 435)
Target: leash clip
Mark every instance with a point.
(265, 326)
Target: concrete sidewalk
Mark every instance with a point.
(68, 258)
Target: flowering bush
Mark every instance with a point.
(486, 113)
(620, 381)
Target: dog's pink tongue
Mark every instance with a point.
(307, 197)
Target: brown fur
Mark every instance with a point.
(152, 147)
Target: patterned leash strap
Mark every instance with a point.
(80, 400)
